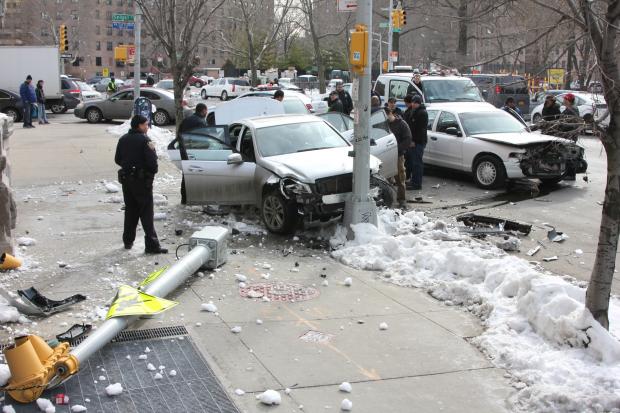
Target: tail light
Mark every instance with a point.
(498, 89)
(75, 91)
(233, 87)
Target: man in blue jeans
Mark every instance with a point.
(416, 117)
(29, 98)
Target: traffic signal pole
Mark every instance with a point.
(136, 63)
(360, 207)
(390, 35)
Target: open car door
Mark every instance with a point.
(194, 143)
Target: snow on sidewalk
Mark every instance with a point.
(537, 327)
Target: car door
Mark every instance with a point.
(211, 179)
(193, 146)
(429, 153)
(399, 89)
(447, 149)
(383, 144)
(120, 106)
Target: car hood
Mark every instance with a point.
(518, 139)
(309, 166)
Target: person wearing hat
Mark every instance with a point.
(569, 106)
(391, 104)
(334, 103)
(416, 117)
(29, 98)
(135, 154)
(550, 110)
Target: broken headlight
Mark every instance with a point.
(290, 186)
(516, 155)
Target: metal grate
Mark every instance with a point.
(279, 291)
(335, 184)
(194, 388)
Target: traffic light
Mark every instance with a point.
(395, 20)
(64, 41)
(403, 18)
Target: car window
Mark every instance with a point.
(297, 137)
(125, 96)
(490, 122)
(234, 132)
(294, 106)
(432, 114)
(447, 120)
(512, 85)
(149, 95)
(380, 88)
(483, 81)
(451, 90)
(401, 88)
(336, 120)
(240, 82)
(379, 125)
(246, 148)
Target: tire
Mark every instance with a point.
(279, 216)
(161, 118)
(489, 172)
(387, 195)
(224, 95)
(13, 113)
(93, 115)
(57, 108)
(203, 94)
(537, 118)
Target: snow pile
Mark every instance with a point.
(114, 389)
(160, 137)
(5, 374)
(346, 405)
(45, 405)
(78, 408)
(270, 397)
(9, 314)
(536, 324)
(8, 409)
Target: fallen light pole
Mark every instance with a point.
(35, 366)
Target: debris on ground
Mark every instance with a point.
(348, 281)
(239, 392)
(209, 307)
(488, 225)
(270, 397)
(45, 405)
(111, 187)
(7, 408)
(346, 405)
(509, 244)
(383, 326)
(346, 387)
(75, 332)
(534, 250)
(36, 303)
(26, 241)
(5, 374)
(556, 236)
(172, 373)
(114, 389)
(235, 329)
(548, 259)
(77, 408)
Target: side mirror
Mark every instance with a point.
(453, 131)
(234, 158)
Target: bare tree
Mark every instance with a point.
(180, 26)
(259, 27)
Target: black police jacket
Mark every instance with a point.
(136, 150)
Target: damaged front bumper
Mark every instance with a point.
(551, 160)
(321, 202)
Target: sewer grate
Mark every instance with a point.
(279, 292)
(194, 388)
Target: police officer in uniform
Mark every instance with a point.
(135, 154)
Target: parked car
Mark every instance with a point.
(495, 147)
(225, 88)
(128, 84)
(436, 88)
(496, 88)
(120, 106)
(590, 106)
(294, 168)
(196, 81)
(539, 97)
(71, 96)
(167, 84)
(102, 85)
(294, 102)
(383, 143)
(87, 92)
(11, 105)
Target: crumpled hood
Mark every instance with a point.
(519, 139)
(309, 166)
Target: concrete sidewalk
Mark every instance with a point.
(422, 363)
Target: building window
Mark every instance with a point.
(109, 31)
(98, 61)
(109, 46)
(97, 14)
(98, 45)
(97, 30)
(108, 15)
(119, 32)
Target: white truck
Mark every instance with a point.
(42, 63)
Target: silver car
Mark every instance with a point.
(120, 106)
(294, 168)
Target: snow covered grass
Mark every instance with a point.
(537, 327)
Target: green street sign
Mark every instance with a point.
(384, 25)
(122, 18)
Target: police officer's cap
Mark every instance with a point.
(138, 120)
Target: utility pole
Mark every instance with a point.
(361, 208)
(390, 34)
(136, 63)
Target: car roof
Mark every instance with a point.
(463, 107)
(276, 120)
(423, 77)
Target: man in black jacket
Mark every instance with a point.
(403, 136)
(198, 119)
(135, 154)
(334, 103)
(417, 119)
(345, 98)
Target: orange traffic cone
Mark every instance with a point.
(9, 262)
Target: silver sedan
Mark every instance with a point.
(120, 106)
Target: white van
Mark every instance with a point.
(436, 88)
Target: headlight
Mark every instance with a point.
(290, 186)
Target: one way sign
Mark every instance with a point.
(347, 5)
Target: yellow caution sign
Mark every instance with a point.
(131, 301)
(152, 276)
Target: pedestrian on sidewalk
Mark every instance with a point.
(345, 98)
(417, 119)
(334, 103)
(29, 99)
(391, 104)
(41, 102)
(135, 154)
(401, 131)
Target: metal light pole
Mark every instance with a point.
(390, 35)
(361, 208)
(136, 63)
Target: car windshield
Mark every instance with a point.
(490, 122)
(297, 137)
(85, 87)
(294, 106)
(451, 90)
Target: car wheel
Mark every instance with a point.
(13, 113)
(57, 108)
(203, 94)
(537, 118)
(161, 118)
(278, 215)
(489, 172)
(94, 115)
(224, 95)
(386, 195)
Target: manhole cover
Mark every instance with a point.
(279, 292)
(313, 336)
